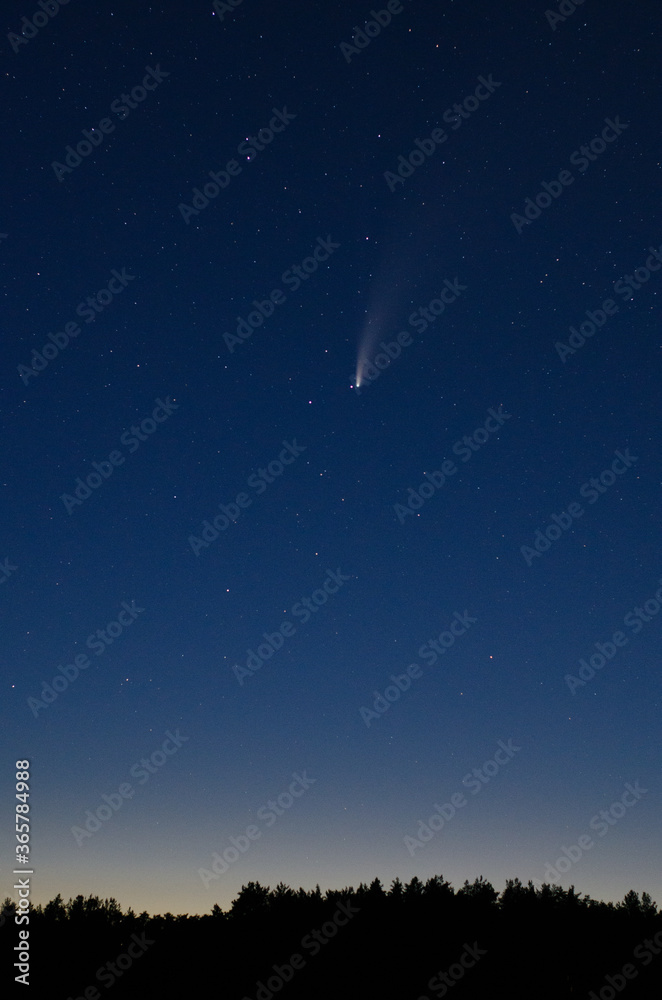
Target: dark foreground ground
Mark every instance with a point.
(410, 942)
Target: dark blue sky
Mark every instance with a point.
(225, 552)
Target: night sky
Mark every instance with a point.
(330, 395)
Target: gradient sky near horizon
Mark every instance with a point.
(177, 279)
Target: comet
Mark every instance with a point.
(372, 330)
(386, 295)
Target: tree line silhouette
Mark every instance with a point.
(411, 942)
